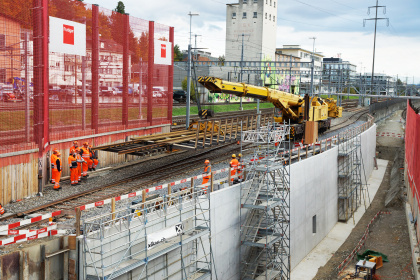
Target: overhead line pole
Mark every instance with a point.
(374, 36)
(312, 66)
(187, 119)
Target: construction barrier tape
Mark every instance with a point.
(29, 221)
(29, 236)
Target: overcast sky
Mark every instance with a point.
(337, 25)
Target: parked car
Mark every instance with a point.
(8, 95)
(107, 91)
(120, 90)
(180, 95)
(87, 91)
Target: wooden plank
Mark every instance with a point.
(205, 133)
(113, 208)
(218, 131)
(231, 129)
(196, 136)
(77, 224)
(212, 133)
(236, 130)
(224, 136)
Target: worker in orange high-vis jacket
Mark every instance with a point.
(234, 163)
(94, 159)
(80, 161)
(73, 167)
(75, 146)
(207, 171)
(57, 171)
(53, 159)
(84, 151)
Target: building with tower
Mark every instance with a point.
(254, 21)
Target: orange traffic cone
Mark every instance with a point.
(1, 210)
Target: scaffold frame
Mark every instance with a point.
(265, 206)
(169, 233)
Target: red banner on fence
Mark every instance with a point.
(412, 150)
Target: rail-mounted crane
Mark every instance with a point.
(288, 106)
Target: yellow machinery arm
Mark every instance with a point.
(292, 106)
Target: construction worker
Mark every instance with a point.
(207, 171)
(75, 145)
(234, 163)
(93, 158)
(57, 172)
(80, 161)
(86, 156)
(73, 167)
(53, 159)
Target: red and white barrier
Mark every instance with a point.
(29, 221)
(44, 232)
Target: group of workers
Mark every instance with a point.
(236, 165)
(80, 160)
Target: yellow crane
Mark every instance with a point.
(289, 106)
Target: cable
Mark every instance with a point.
(325, 11)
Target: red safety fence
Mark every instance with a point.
(48, 96)
(412, 150)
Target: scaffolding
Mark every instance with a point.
(265, 207)
(350, 185)
(164, 238)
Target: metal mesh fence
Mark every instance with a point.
(111, 89)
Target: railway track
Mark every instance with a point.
(354, 117)
(148, 178)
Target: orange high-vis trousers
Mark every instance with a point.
(79, 171)
(74, 174)
(85, 168)
(57, 178)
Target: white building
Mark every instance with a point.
(257, 20)
(305, 69)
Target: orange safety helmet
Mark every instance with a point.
(75, 142)
(72, 151)
(206, 161)
(86, 144)
(55, 151)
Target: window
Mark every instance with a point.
(314, 224)
(265, 15)
(269, 17)
(255, 14)
(266, 1)
(245, 1)
(274, 4)
(57, 64)
(255, 1)
(233, 15)
(271, 2)
(244, 15)
(274, 18)
(2, 40)
(2, 75)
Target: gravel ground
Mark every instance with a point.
(388, 234)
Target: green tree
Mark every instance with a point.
(120, 8)
(178, 53)
(184, 87)
(222, 59)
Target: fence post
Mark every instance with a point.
(95, 69)
(126, 68)
(171, 76)
(150, 70)
(77, 225)
(113, 208)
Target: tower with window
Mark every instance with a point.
(257, 19)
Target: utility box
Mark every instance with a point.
(366, 101)
(311, 132)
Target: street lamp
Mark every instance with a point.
(312, 66)
(187, 121)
